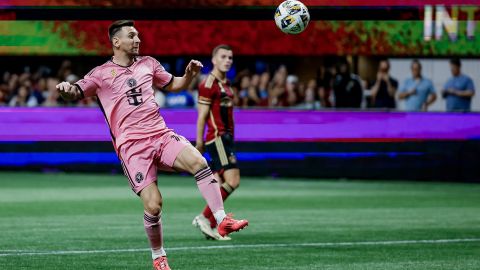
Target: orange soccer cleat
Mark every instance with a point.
(161, 263)
(229, 225)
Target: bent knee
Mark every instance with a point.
(234, 183)
(233, 180)
(198, 163)
(154, 207)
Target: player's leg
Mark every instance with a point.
(138, 164)
(230, 180)
(190, 160)
(223, 161)
(152, 219)
(206, 222)
(186, 158)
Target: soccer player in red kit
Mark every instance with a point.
(215, 108)
(142, 141)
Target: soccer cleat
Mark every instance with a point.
(218, 237)
(161, 263)
(202, 223)
(229, 225)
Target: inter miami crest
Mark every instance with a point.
(131, 82)
(139, 177)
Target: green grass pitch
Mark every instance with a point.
(94, 221)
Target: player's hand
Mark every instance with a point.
(67, 91)
(200, 147)
(193, 68)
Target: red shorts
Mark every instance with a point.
(142, 158)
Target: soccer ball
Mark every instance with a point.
(292, 17)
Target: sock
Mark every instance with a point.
(225, 190)
(156, 253)
(210, 190)
(219, 216)
(153, 228)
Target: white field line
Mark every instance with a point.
(7, 253)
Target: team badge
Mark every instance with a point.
(139, 177)
(131, 82)
(114, 73)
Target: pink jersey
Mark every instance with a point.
(126, 97)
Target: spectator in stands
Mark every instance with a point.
(325, 82)
(458, 90)
(385, 87)
(347, 87)
(52, 96)
(292, 92)
(36, 95)
(309, 100)
(40, 87)
(24, 97)
(417, 91)
(253, 91)
(263, 89)
(13, 84)
(3, 94)
(242, 100)
(277, 92)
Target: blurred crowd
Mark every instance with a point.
(334, 87)
(37, 88)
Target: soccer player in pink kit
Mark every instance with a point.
(141, 139)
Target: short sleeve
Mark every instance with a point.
(89, 84)
(205, 94)
(470, 85)
(161, 77)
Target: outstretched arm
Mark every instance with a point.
(69, 91)
(179, 83)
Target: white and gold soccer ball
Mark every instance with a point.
(292, 17)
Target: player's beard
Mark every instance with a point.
(135, 52)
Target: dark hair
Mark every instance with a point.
(117, 26)
(342, 62)
(416, 61)
(385, 60)
(456, 61)
(221, 46)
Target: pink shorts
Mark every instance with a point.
(142, 158)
